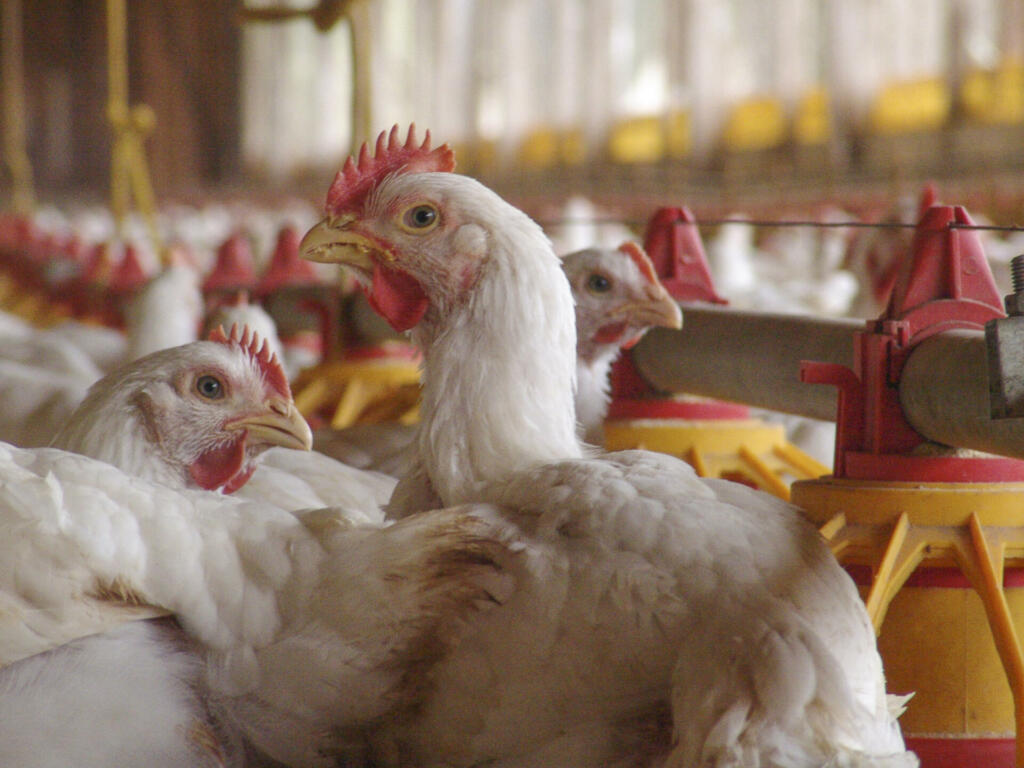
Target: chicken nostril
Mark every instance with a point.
(279, 407)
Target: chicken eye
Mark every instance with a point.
(209, 387)
(598, 283)
(420, 217)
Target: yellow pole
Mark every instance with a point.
(129, 174)
(362, 73)
(22, 195)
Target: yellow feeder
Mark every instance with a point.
(933, 536)
(718, 439)
(369, 386)
(941, 567)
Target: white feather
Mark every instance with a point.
(641, 588)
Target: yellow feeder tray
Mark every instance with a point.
(942, 568)
(742, 449)
(374, 387)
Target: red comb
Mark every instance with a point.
(357, 177)
(641, 259)
(251, 343)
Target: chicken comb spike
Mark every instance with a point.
(259, 352)
(641, 259)
(357, 178)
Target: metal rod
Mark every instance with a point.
(748, 357)
(754, 358)
(945, 396)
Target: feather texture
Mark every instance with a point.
(299, 630)
(706, 621)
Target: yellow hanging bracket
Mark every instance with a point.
(129, 173)
(15, 153)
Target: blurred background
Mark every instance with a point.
(755, 103)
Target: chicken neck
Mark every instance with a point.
(499, 371)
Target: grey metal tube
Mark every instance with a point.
(748, 357)
(754, 358)
(945, 397)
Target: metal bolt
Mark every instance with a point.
(1017, 273)
(1014, 302)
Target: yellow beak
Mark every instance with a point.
(657, 309)
(281, 424)
(332, 242)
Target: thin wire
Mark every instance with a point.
(784, 223)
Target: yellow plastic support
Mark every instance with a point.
(572, 147)
(812, 121)
(360, 391)
(695, 458)
(958, 648)
(747, 450)
(995, 96)
(15, 152)
(680, 134)
(879, 597)
(754, 124)
(129, 173)
(547, 147)
(540, 148)
(834, 525)
(907, 107)
(638, 140)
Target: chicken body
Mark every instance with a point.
(291, 631)
(297, 631)
(659, 619)
(166, 312)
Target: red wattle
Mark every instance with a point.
(219, 466)
(398, 297)
(608, 334)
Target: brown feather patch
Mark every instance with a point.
(458, 558)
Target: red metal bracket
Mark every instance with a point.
(233, 269)
(944, 283)
(286, 267)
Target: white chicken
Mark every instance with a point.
(659, 619)
(300, 632)
(228, 396)
(291, 479)
(293, 632)
(618, 297)
(166, 312)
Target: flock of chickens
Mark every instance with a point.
(188, 585)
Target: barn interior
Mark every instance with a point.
(833, 193)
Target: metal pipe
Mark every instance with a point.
(748, 357)
(945, 395)
(755, 358)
